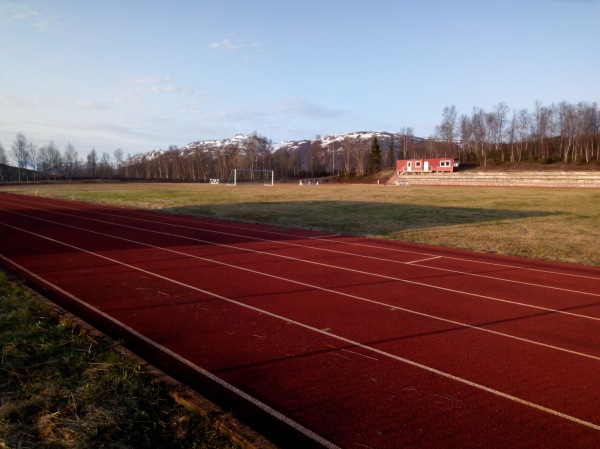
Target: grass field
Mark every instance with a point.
(543, 223)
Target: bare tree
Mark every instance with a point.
(3, 158)
(19, 152)
(119, 158)
(407, 135)
(346, 155)
(50, 159)
(70, 156)
(542, 124)
(92, 161)
(104, 165)
(512, 133)
(591, 123)
(447, 129)
(315, 150)
(466, 136)
(500, 112)
(32, 154)
(478, 133)
(3, 162)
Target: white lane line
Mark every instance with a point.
(353, 352)
(338, 267)
(423, 260)
(299, 324)
(323, 289)
(464, 273)
(311, 262)
(271, 411)
(218, 223)
(320, 237)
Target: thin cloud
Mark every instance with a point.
(153, 84)
(145, 85)
(297, 107)
(148, 79)
(25, 13)
(16, 101)
(226, 44)
(86, 103)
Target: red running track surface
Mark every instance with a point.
(350, 342)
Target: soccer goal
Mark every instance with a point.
(244, 176)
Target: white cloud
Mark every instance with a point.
(154, 84)
(297, 107)
(148, 79)
(23, 12)
(40, 21)
(86, 103)
(226, 44)
(16, 101)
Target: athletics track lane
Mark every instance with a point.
(354, 339)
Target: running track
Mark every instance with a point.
(351, 342)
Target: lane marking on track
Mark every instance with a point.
(347, 295)
(382, 276)
(323, 289)
(448, 270)
(353, 352)
(222, 224)
(216, 222)
(423, 260)
(256, 402)
(265, 407)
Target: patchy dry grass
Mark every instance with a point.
(59, 390)
(546, 223)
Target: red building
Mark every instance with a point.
(443, 164)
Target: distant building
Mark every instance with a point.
(443, 164)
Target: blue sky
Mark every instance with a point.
(141, 75)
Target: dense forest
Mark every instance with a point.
(560, 133)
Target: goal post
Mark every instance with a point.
(246, 176)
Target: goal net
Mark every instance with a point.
(243, 176)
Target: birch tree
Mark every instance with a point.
(447, 129)
(19, 152)
(70, 156)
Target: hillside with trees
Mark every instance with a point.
(563, 134)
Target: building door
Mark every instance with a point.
(426, 166)
(409, 166)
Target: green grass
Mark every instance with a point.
(544, 223)
(59, 389)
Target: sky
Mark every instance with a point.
(143, 74)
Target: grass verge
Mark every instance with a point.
(60, 389)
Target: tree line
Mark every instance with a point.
(47, 162)
(200, 162)
(563, 132)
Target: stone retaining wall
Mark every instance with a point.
(581, 179)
